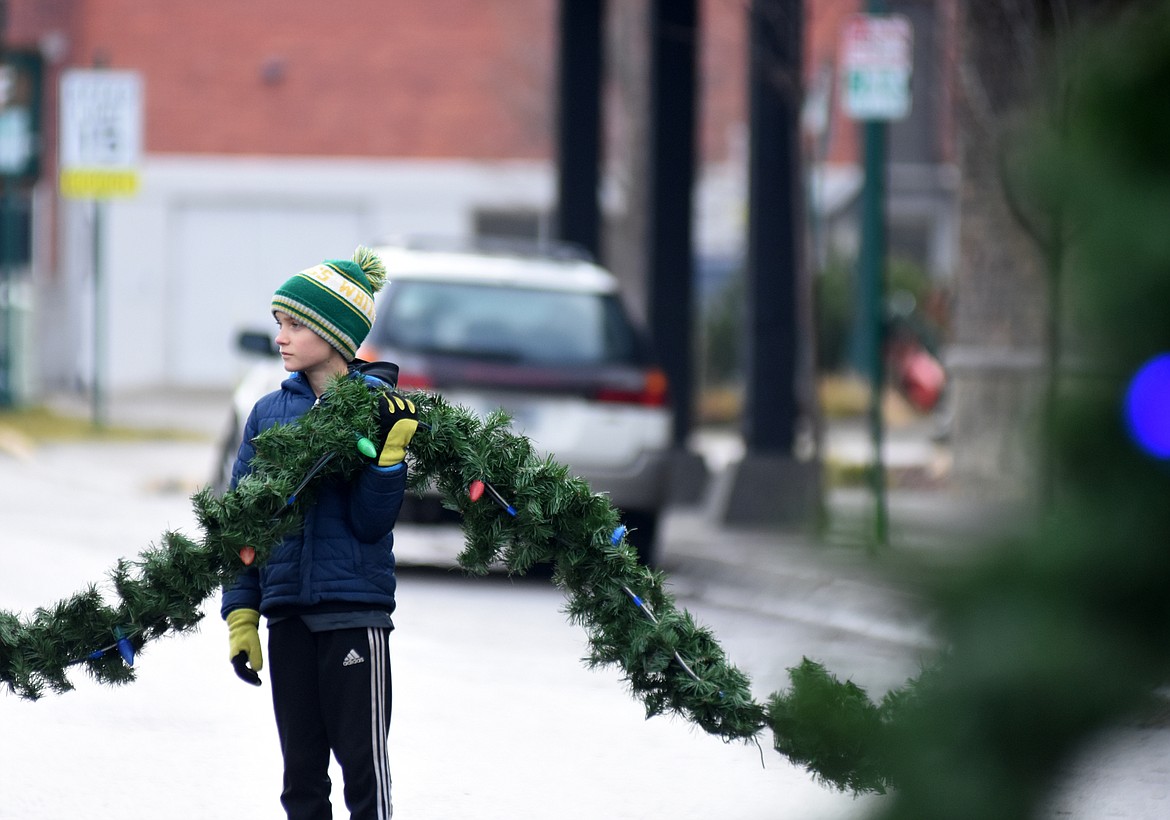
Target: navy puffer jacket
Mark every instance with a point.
(343, 557)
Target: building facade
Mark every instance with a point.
(277, 133)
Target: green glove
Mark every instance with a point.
(397, 421)
(244, 638)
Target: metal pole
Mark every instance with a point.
(670, 255)
(7, 355)
(578, 216)
(7, 342)
(99, 321)
(872, 271)
(772, 409)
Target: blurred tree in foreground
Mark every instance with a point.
(1065, 630)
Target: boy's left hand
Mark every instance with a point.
(397, 421)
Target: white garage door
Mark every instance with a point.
(229, 260)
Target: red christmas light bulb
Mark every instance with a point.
(475, 490)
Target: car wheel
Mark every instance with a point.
(642, 534)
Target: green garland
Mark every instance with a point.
(632, 623)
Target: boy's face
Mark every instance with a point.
(301, 349)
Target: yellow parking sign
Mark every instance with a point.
(101, 133)
(97, 183)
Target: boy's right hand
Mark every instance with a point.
(244, 640)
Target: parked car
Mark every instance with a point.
(541, 334)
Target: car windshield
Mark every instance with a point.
(505, 323)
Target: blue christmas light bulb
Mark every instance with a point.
(1147, 407)
(125, 648)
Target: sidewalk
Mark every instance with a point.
(196, 412)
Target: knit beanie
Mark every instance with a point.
(335, 299)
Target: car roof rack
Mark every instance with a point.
(518, 246)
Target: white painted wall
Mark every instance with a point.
(196, 255)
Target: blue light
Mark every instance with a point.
(125, 648)
(1147, 406)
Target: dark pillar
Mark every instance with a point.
(770, 485)
(578, 216)
(772, 258)
(673, 30)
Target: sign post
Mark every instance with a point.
(20, 157)
(100, 150)
(875, 70)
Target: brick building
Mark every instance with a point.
(280, 132)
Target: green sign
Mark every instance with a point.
(20, 115)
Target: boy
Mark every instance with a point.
(328, 590)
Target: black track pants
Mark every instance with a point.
(331, 691)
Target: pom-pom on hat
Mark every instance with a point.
(335, 299)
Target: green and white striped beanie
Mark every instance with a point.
(335, 299)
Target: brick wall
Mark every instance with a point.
(402, 78)
(441, 78)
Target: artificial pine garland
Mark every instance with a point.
(541, 514)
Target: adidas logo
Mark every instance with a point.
(353, 658)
